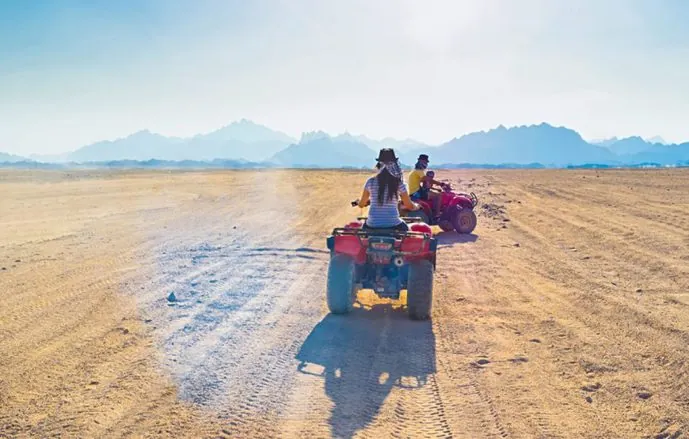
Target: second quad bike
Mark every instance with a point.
(386, 261)
(456, 211)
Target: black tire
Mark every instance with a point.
(464, 221)
(341, 292)
(420, 290)
(446, 225)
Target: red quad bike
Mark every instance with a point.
(456, 211)
(385, 261)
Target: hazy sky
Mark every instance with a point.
(77, 71)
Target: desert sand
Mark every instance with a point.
(192, 304)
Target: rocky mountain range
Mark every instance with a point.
(246, 141)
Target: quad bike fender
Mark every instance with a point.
(349, 245)
(447, 199)
(418, 249)
(422, 228)
(461, 202)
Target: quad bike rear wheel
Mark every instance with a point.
(341, 290)
(420, 290)
(464, 221)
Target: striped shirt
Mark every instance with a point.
(386, 214)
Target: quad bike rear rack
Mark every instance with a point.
(472, 196)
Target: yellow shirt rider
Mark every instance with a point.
(420, 184)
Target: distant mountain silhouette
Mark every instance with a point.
(388, 142)
(604, 142)
(318, 149)
(613, 140)
(10, 158)
(50, 158)
(637, 151)
(140, 164)
(247, 132)
(245, 143)
(519, 145)
(143, 145)
(239, 140)
(661, 154)
(629, 146)
(657, 139)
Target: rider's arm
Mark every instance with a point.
(432, 182)
(365, 196)
(429, 180)
(407, 202)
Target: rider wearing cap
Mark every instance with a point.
(420, 184)
(384, 191)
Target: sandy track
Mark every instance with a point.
(565, 315)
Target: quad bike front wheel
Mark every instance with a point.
(341, 292)
(420, 290)
(464, 221)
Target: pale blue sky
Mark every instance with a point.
(75, 71)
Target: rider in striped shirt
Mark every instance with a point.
(384, 191)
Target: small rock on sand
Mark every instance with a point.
(591, 387)
(644, 395)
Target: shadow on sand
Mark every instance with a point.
(362, 356)
(448, 239)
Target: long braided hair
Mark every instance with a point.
(389, 176)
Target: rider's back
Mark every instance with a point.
(415, 178)
(386, 214)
